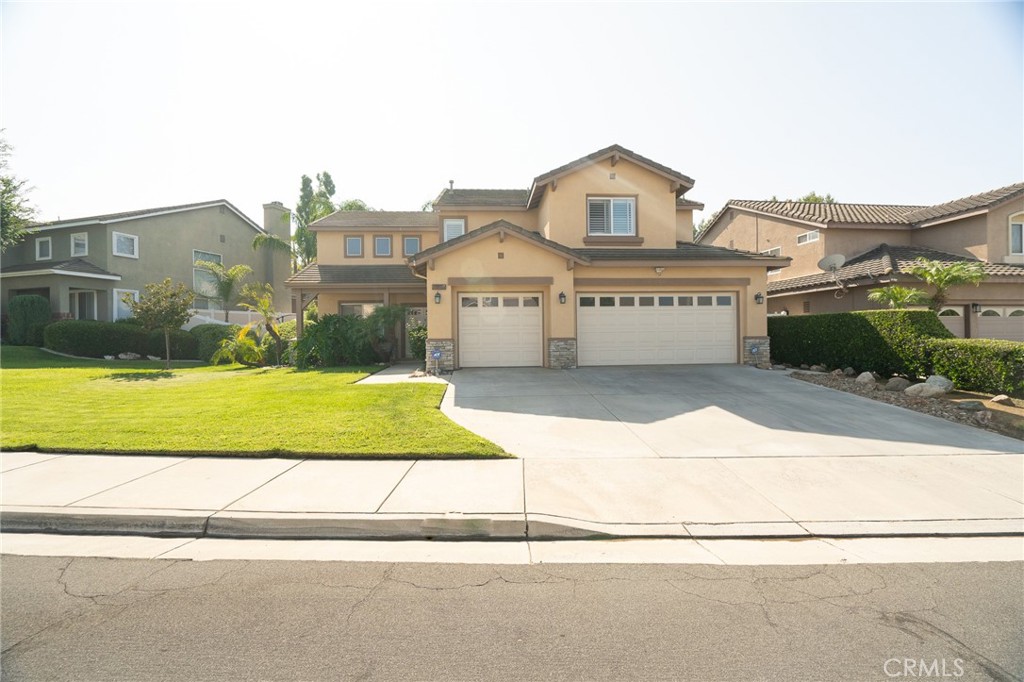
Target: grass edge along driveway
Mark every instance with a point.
(57, 404)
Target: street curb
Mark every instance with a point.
(325, 526)
(89, 521)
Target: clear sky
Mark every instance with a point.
(119, 106)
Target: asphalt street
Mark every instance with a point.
(116, 619)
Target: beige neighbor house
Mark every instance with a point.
(84, 266)
(880, 243)
(593, 264)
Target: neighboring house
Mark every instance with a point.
(880, 244)
(85, 266)
(591, 265)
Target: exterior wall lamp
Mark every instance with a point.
(437, 297)
(975, 307)
(759, 298)
(561, 297)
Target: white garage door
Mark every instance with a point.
(656, 329)
(1000, 323)
(500, 330)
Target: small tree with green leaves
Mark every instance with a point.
(15, 211)
(897, 297)
(226, 282)
(942, 276)
(166, 306)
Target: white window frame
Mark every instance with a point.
(49, 248)
(610, 213)
(117, 294)
(405, 245)
(459, 223)
(774, 251)
(195, 271)
(376, 251)
(85, 240)
(113, 247)
(354, 238)
(807, 237)
(1018, 222)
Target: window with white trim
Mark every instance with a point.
(410, 246)
(454, 227)
(611, 216)
(126, 245)
(80, 245)
(121, 309)
(353, 247)
(807, 237)
(774, 251)
(1017, 235)
(44, 248)
(382, 247)
(203, 281)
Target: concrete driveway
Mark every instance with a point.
(687, 411)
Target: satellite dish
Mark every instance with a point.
(832, 263)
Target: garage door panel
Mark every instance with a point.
(662, 328)
(502, 330)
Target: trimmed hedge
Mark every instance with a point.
(184, 346)
(92, 339)
(208, 338)
(987, 365)
(27, 316)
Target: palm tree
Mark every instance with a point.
(898, 297)
(227, 281)
(260, 300)
(275, 243)
(942, 276)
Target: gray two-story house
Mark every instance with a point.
(85, 266)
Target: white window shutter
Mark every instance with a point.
(597, 216)
(622, 216)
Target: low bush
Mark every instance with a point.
(418, 341)
(184, 346)
(92, 339)
(333, 341)
(209, 336)
(27, 316)
(986, 365)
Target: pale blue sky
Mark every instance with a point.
(119, 106)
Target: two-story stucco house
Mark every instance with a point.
(592, 264)
(880, 243)
(85, 266)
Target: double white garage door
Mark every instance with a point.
(506, 330)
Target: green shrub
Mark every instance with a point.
(418, 341)
(26, 318)
(334, 341)
(92, 339)
(985, 365)
(885, 341)
(209, 336)
(288, 330)
(184, 346)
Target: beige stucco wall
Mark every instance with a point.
(684, 226)
(967, 237)
(998, 228)
(330, 245)
(565, 208)
(478, 218)
(328, 301)
(757, 233)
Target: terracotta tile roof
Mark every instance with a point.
(142, 213)
(686, 203)
(967, 204)
(482, 197)
(71, 267)
(824, 214)
(371, 219)
(683, 251)
(353, 274)
(886, 261)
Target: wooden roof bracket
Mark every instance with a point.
(569, 263)
(615, 159)
(554, 184)
(430, 263)
(501, 236)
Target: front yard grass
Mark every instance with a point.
(57, 404)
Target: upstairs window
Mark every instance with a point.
(80, 245)
(1017, 236)
(353, 247)
(126, 245)
(611, 216)
(807, 237)
(44, 248)
(410, 246)
(454, 227)
(774, 251)
(204, 282)
(382, 247)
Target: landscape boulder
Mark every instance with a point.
(897, 384)
(850, 372)
(865, 378)
(818, 368)
(942, 382)
(1002, 399)
(971, 405)
(924, 390)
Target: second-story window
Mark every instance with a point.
(382, 247)
(80, 244)
(410, 246)
(454, 227)
(807, 237)
(611, 216)
(774, 251)
(44, 248)
(126, 245)
(1017, 235)
(353, 247)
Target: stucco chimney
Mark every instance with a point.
(277, 220)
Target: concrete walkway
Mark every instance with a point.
(725, 497)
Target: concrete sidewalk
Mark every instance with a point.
(755, 497)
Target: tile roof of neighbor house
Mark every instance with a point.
(376, 219)
(483, 197)
(71, 267)
(885, 261)
(142, 213)
(967, 204)
(354, 274)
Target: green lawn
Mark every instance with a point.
(51, 403)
